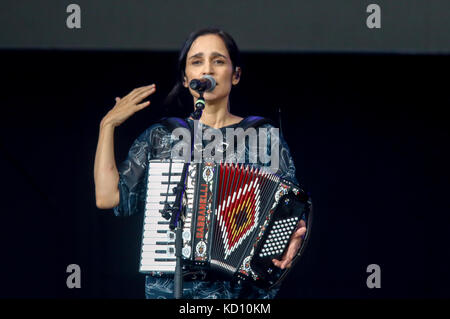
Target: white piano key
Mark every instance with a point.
(170, 249)
(147, 247)
(166, 236)
(154, 212)
(153, 206)
(157, 222)
(153, 189)
(158, 192)
(155, 227)
(165, 170)
(155, 255)
(159, 163)
(157, 198)
(162, 268)
(153, 218)
(160, 178)
(167, 165)
(152, 262)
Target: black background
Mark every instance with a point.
(368, 133)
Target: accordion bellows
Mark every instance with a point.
(238, 218)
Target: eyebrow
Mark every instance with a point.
(200, 54)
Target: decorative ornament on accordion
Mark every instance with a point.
(201, 249)
(208, 172)
(238, 222)
(283, 190)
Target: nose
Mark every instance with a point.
(208, 69)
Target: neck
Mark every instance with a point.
(216, 113)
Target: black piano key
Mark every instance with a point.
(165, 259)
(166, 243)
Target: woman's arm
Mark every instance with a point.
(106, 175)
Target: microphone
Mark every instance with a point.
(206, 83)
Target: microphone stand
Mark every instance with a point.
(178, 211)
(199, 106)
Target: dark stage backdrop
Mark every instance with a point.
(368, 134)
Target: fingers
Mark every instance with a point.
(143, 105)
(277, 263)
(283, 263)
(140, 93)
(144, 93)
(294, 245)
(136, 96)
(286, 260)
(302, 223)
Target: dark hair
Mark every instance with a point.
(230, 44)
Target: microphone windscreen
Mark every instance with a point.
(212, 81)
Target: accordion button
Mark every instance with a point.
(186, 235)
(186, 251)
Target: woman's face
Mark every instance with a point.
(208, 55)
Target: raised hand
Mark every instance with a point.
(128, 105)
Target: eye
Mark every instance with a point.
(196, 62)
(220, 61)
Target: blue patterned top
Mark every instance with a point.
(156, 142)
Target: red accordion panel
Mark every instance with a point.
(238, 207)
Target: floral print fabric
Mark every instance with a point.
(156, 142)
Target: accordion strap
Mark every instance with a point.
(254, 121)
(172, 123)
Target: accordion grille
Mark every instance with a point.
(243, 199)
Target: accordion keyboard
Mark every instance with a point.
(158, 241)
(238, 218)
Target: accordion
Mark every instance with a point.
(237, 219)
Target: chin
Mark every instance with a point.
(210, 97)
